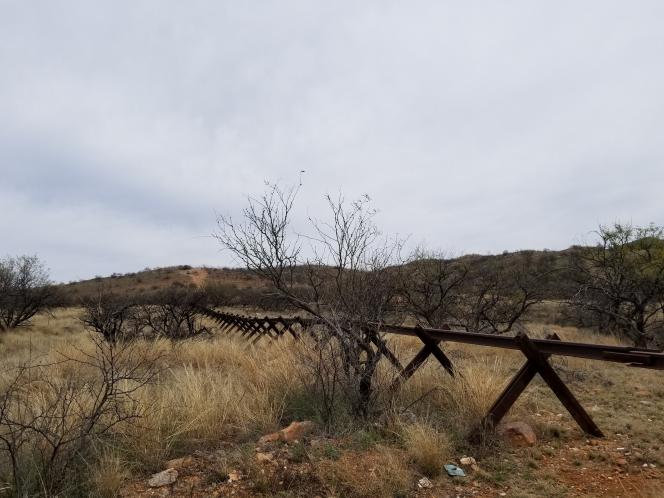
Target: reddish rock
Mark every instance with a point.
(519, 434)
(294, 432)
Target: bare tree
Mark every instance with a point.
(621, 280)
(47, 421)
(498, 294)
(346, 283)
(430, 287)
(25, 290)
(482, 294)
(114, 317)
(175, 314)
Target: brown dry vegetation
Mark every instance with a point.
(151, 281)
(214, 398)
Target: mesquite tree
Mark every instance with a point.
(487, 294)
(25, 290)
(345, 281)
(431, 287)
(621, 281)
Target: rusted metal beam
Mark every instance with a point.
(512, 392)
(648, 358)
(636, 357)
(559, 388)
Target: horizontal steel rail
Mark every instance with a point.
(645, 358)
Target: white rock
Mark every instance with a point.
(424, 483)
(468, 461)
(163, 478)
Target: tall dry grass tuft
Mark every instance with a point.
(480, 382)
(428, 449)
(108, 473)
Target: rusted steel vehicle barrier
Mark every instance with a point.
(536, 351)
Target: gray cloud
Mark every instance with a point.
(478, 126)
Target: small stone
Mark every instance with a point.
(424, 483)
(234, 476)
(519, 433)
(468, 461)
(179, 463)
(621, 461)
(294, 432)
(270, 438)
(265, 457)
(163, 478)
(645, 402)
(621, 450)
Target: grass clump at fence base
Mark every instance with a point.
(428, 449)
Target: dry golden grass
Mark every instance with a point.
(218, 391)
(108, 474)
(428, 449)
(379, 472)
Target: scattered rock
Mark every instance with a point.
(270, 438)
(234, 476)
(179, 463)
(265, 457)
(163, 478)
(468, 461)
(519, 433)
(294, 432)
(424, 483)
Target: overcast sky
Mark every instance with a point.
(126, 126)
